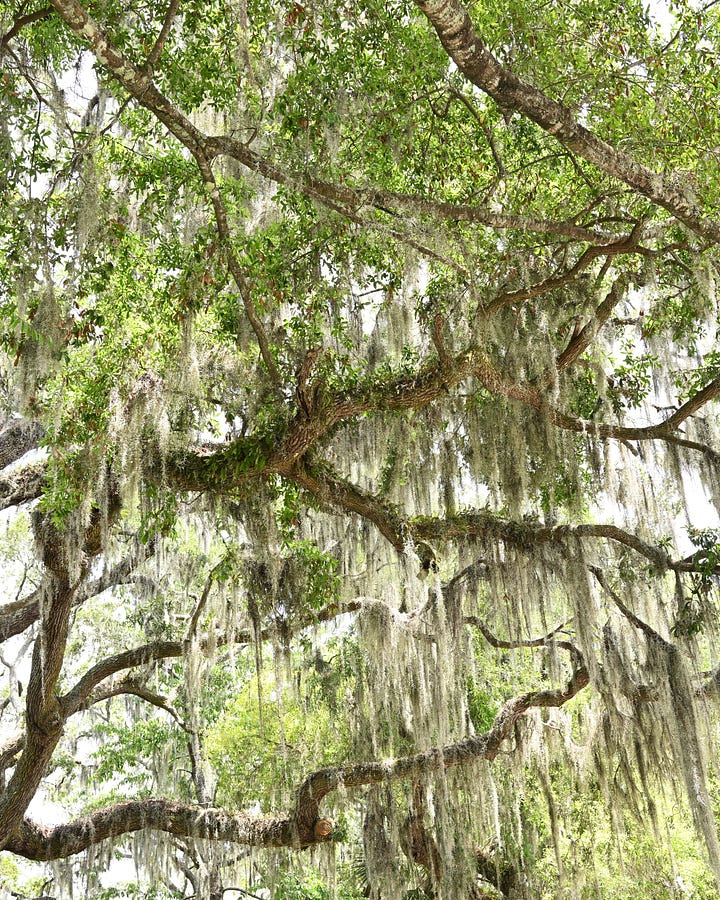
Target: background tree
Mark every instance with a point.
(361, 447)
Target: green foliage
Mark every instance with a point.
(123, 748)
(634, 869)
(311, 887)
(289, 350)
(9, 871)
(696, 610)
(482, 708)
(260, 753)
(321, 572)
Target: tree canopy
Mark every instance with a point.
(360, 451)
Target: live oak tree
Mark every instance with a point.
(360, 450)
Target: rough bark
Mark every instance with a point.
(304, 826)
(21, 485)
(18, 437)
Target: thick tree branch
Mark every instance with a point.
(483, 746)
(304, 826)
(468, 51)
(399, 530)
(181, 819)
(44, 719)
(243, 460)
(18, 437)
(21, 485)
(339, 494)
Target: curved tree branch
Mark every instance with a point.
(484, 746)
(182, 819)
(223, 468)
(78, 695)
(157, 48)
(582, 340)
(399, 530)
(21, 21)
(125, 687)
(304, 826)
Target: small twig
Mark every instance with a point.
(234, 267)
(487, 131)
(200, 606)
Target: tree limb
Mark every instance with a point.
(641, 625)
(234, 266)
(157, 48)
(136, 690)
(78, 695)
(582, 340)
(484, 746)
(22, 484)
(399, 530)
(20, 21)
(468, 51)
(245, 459)
(16, 617)
(303, 827)
(18, 437)
(140, 86)
(39, 842)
